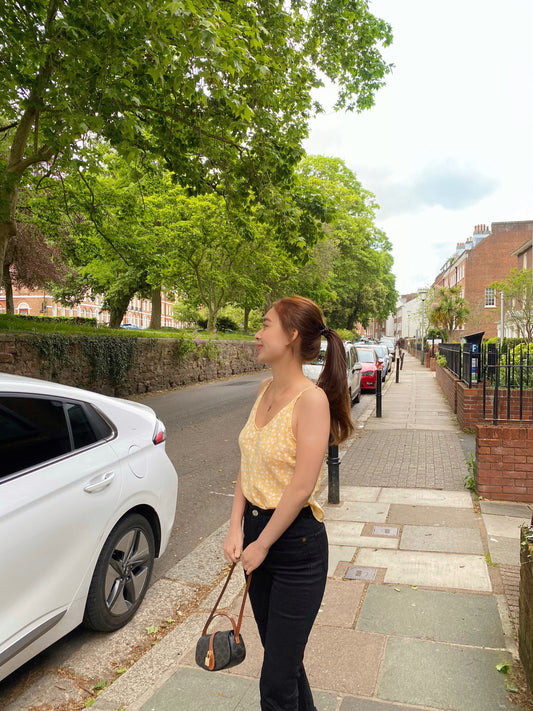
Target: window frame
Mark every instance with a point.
(490, 289)
(90, 410)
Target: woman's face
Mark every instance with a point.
(272, 341)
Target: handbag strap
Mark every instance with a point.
(213, 612)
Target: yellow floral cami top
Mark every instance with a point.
(268, 458)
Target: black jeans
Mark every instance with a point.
(285, 593)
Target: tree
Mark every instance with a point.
(359, 283)
(518, 301)
(449, 310)
(221, 90)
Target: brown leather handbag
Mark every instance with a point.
(225, 649)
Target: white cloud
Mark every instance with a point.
(449, 143)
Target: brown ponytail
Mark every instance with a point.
(303, 315)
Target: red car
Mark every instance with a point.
(371, 366)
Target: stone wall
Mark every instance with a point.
(525, 623)
(504, 461)
(124, 366)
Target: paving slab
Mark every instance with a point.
(443, 676)
(432, 516)
(426, 497)
(350, 703)
(506, 509)
(438, 570)
(346, 533)
(504, 526)
(344, 660)
(340, 604)
(360, 493)
(441, 539)
(358, 511)
(460, 618)
(338, 553)
(504, 551)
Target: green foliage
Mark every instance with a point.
(470, 478)
(54, 352)
(435, 333)
(11, 321)
(345, 334)
(222, 90)
(518, 301)
(109, 357)
(449, 311)
(441, 360)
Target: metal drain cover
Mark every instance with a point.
(385, 531)
(354, 573)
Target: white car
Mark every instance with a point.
(87, 501)
(353, 369)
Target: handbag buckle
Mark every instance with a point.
(208, 658)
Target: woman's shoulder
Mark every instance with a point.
(313, 397)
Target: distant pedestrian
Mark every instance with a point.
(283, 445)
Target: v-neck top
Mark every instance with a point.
(268, 458)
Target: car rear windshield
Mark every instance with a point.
(320, 359)
(366, 356)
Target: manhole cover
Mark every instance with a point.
(385, 531)
(354, 573)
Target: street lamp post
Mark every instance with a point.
(422, 293)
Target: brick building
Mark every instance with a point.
(35, 302)
(487, 256)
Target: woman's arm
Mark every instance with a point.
(234, 538)
(312, 436)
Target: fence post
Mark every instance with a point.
(333, 474)
(378, 393)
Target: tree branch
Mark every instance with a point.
(175, 117)
(9, 126)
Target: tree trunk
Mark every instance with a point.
(211, 319)
(117, 308)
(8, 286)
(246, 319)
(155, 318)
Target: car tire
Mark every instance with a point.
(357, 397)
(121, 576)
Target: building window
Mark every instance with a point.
(490, 297)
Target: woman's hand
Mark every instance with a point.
(233, 545)
(252, 556)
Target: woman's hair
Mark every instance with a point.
(303, 315)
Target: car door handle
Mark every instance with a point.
(100, 483)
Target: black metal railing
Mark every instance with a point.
(505, 375)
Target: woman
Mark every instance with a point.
(283, 445)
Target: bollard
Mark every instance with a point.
(333, 474)
(378, 394)
(398, 368)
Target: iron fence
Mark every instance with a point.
(505, 375)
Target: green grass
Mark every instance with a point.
(21, 324)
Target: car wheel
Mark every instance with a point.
(358, 397)
(121, 576)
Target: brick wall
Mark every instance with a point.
(504, 461)
(448, 384)
(156, 363)
(525, 625)
(489, 261)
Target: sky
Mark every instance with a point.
(448, 144)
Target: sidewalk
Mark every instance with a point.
(414, 615)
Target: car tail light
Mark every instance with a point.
(160, 433)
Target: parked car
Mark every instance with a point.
(371, 366)
(383, 354)
(87, 501)
(353, 369)
(391, 346)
